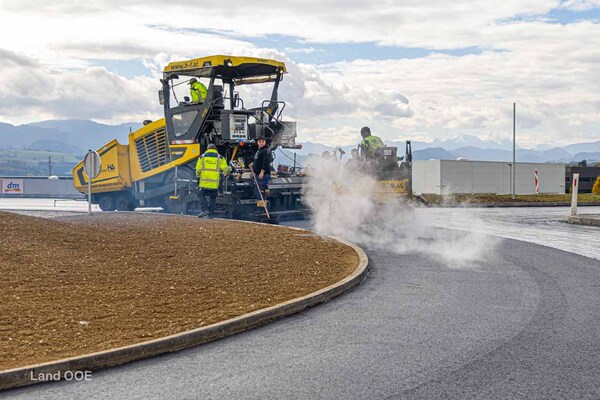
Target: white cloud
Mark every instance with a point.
(49, 63)
(331, 136)
(550, 71)
(434, 24)
(28, 89)
(300, 50)
(580, 5)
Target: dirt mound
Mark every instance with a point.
(90, 283)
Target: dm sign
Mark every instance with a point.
(12, 186)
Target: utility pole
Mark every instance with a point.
(49, 166)
(514, 168)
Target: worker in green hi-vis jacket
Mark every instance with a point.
(197, 90)
(370, 143)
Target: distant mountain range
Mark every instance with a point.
(472, 148)
(77, 136)
(65, 136)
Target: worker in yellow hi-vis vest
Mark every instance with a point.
(370, 144)
(208, 169)
(197, 90)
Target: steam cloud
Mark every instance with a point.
(343, 203)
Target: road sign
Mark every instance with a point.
(92, 164)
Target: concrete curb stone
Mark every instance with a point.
(584, 219)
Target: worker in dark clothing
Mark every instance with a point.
(261, 166)
(354, 163)
(326, 155)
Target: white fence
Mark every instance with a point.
(449, 176)
(38, 187)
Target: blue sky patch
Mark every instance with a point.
(558, 16)
(562, 16)
(129, 69)
(296, 49)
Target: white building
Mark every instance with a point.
(461, 176)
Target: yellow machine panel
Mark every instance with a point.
(392, 190)
(398, 186)
(150, 155)
(114, 175)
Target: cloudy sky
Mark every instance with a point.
(410, 69)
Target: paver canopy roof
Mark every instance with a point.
(242, 70)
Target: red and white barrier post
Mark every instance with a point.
(574, 191)
(537, 181)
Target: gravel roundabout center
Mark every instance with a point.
(83, 284)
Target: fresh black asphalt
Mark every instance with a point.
(522, 324)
